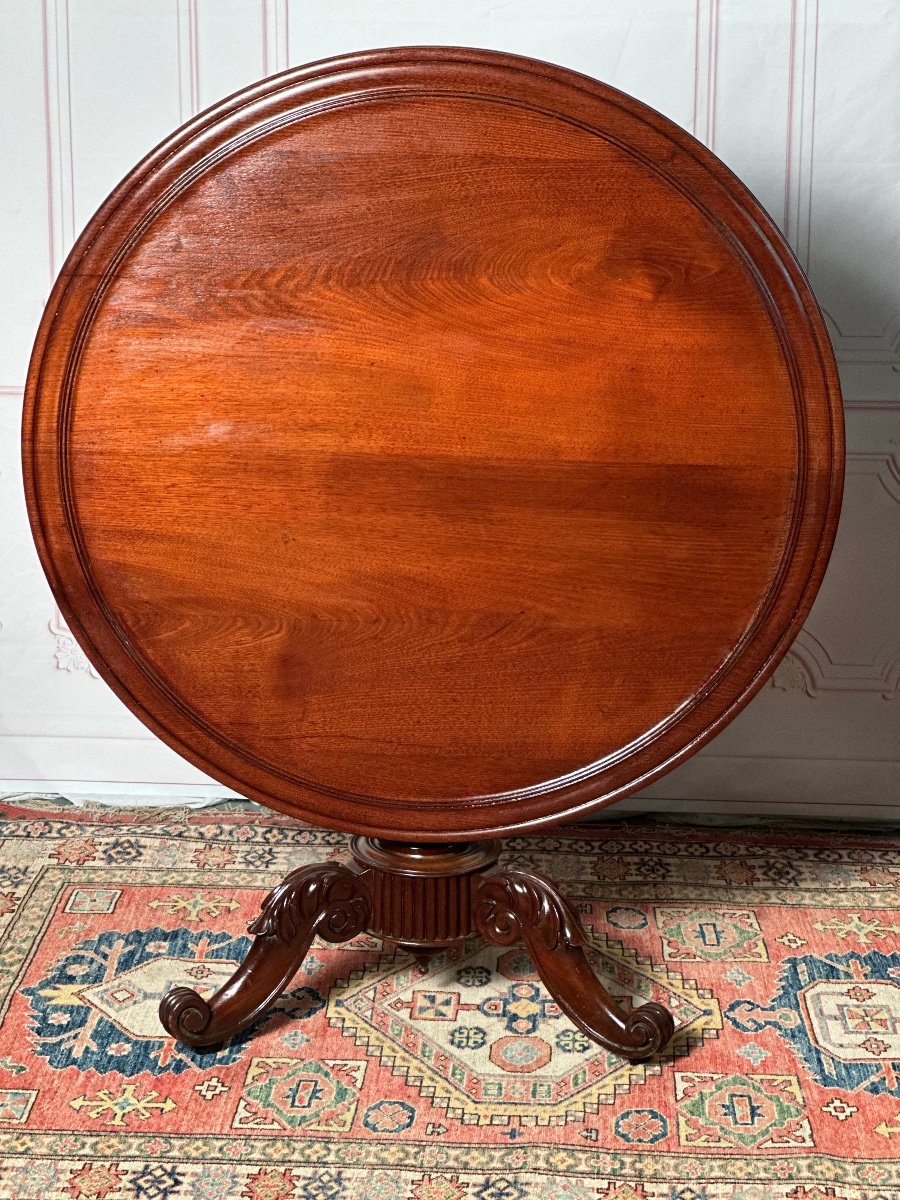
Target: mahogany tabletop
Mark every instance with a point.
(433, 442)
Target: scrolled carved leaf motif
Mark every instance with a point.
(324, 899)
(516, 905)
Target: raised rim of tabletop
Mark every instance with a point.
(671, 152)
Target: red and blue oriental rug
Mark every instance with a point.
(378, 1078)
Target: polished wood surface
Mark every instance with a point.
(433, 443)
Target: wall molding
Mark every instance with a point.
(58, 126)
(803, 57)
(706, 67)
(885, 468)
(808, 667)
(873, 404)
(275, 36)
(875, 347)
(188, 59)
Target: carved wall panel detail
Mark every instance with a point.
(809, 668)
(886, 467)
(69, 655)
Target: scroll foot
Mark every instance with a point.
(324, 899)
(518, 906)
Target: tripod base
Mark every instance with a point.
(423, 897)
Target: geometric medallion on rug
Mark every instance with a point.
(375, 1076)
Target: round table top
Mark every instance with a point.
(433, 442)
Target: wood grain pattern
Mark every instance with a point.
(433, 443)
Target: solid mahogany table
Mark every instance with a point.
(432, 444)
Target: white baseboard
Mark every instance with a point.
(712, 785)
(123, 795)
(836, 789)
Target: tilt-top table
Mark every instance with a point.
(432, 444)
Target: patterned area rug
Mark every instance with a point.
(375, 1077)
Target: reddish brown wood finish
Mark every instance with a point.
(325, 899)
(433, 443)
(427, 897)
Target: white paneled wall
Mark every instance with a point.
(800, 97)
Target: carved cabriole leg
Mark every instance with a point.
(513, 906)
(324, 899)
